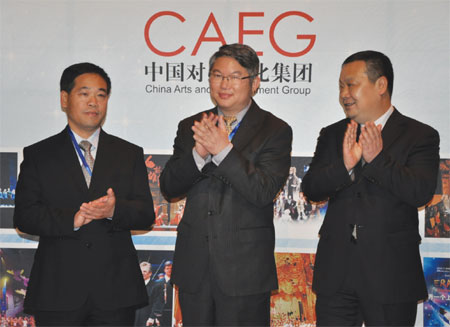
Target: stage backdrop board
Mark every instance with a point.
(40, 38)
(157, 52)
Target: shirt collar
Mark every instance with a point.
(93, 139)
(384, 118)
(240, 115)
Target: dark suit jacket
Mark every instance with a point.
(99, 259)
(382, 202)
(144, 313)
(228, 219)
(162, 300)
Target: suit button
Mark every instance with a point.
(210, 213)
(88, 244)
(358, 195)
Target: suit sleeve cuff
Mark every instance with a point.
(199, 161)
(218, 158)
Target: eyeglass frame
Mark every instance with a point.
(230, 78)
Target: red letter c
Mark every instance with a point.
(147, 34)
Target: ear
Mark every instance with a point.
(255, 84)
(64, 100)
(382, 85)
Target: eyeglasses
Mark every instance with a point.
(233, 79)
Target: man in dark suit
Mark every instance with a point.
(162, 299)
(230, 162)
(143, 315)
(291, 205)
(375, 168)
(82, 191)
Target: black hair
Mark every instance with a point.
(377, 65)
(72, 72)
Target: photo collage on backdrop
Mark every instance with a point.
(293, 304)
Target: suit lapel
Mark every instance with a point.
(103, 161)
(250, 125)
(69, 158)
(393, 129)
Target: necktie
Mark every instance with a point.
(229, 120)
(358, 166)
(86, 146)
(165, 292)
(358, 133)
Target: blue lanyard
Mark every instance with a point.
(80, 153)
(230, 137)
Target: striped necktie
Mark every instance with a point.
(86, 146)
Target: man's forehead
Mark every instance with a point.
(226, 61)
(89, 77)
(350, 73)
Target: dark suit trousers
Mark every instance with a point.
(211, 307)
(87, 315)
(350, 306)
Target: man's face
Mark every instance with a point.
(168, 270)
(231, 97)
(358, 96)
(86, 104)
(146, 272)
